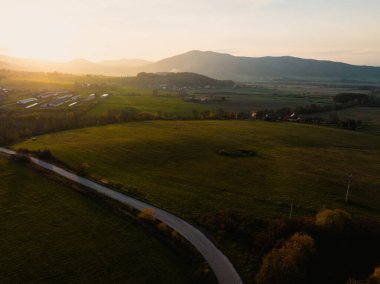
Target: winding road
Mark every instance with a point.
(219, 263)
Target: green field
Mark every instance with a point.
(176, 165)
(274, 96)
(147, 103)
(168, 103)
(52, 234)
(236, 100)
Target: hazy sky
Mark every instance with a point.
(344, 30)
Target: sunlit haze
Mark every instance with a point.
(340, 30)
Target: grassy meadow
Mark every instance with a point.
(171, 105)
(176, 165)
(52, 234)
(247, 99)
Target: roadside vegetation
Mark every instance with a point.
(51, 234)
(331, 246)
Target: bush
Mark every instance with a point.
(334, 220)
(175, 235)
(290, 263)
(22, 156)
(44, 154)
(147, 214)
(83, 169)
(375, 277)
(164, 228)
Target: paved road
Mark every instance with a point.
(222, 267)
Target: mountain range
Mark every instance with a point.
(77, 66)
(217, 65)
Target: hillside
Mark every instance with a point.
(225, 66)
(171, 80)
(170, 162)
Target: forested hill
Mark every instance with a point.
(171, 80)
(226, 66)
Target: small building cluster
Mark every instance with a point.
(4, 93)
(203, 99)
(181, 88)
(47, 99)
(26, 101)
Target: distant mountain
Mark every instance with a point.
(125, 62)
(212, 64)
(4, 65)
(225, 66)
(77, 66)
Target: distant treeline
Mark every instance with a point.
(302, 110)
(354, 98)
(304, 114)
(14, 127)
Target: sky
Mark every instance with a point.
(339, 30)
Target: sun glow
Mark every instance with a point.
(34, 33)
(155, 29)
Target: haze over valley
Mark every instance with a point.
(212, 64)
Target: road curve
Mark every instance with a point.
(219, 263)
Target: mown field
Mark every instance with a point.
(52, 234)
(176, 165)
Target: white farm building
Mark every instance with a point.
(26, 101)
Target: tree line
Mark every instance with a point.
(17, 126)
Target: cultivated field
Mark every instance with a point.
(176, 165)
(52, 234)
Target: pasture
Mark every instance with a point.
(176, 165)
(170, 105)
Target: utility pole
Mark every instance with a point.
(291, 211)
(348, 186)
